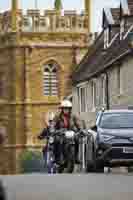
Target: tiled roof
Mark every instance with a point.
(100, 59)
(92, 50)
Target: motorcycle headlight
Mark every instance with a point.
(69, 134)
(105, 137)
(51, 140)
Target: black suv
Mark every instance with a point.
(113, 142)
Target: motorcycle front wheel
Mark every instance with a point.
(70, 160)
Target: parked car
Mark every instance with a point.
(112, 143)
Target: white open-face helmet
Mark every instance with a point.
(66, 104)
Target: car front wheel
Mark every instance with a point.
(99, 166)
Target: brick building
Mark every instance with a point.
(38, 52)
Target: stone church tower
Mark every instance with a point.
(38, 53)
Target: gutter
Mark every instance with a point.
(107, 92)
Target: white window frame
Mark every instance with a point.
(122, 28)
(129, 30)
(85, 101)
(49, 89)
(106, 38)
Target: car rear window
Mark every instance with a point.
(116, 120)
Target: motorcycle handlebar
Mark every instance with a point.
(61, 132)
(82, 133)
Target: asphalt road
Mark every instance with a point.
(69, 187)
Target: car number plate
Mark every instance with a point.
(128, 150)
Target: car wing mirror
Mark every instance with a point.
(94, 128)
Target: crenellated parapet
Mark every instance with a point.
(45, 21)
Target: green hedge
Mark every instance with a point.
(31, 161)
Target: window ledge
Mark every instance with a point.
(103, 105)
(93, 109)
(83, 112)
(120, 95)
(3, 101)
(51, 99)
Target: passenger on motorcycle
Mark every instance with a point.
(46, 132)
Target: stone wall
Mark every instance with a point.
(23, 105)
(28, 41)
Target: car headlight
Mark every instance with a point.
(131, 139)
(105, 137)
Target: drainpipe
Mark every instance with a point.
(107, 92)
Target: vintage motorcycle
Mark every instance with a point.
(66, 158)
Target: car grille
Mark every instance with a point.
(117, 153)
(122, 145)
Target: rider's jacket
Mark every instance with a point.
(68, 121)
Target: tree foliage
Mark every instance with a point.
(58, 4)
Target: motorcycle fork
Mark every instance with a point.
(62, 150)
(82, 152)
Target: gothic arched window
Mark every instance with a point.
(50, 81)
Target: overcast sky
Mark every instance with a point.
(97, 6)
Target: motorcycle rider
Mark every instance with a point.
(65, 119)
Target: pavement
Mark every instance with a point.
(69, 187)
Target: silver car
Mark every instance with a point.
(112, 143)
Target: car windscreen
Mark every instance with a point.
(116, 120)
